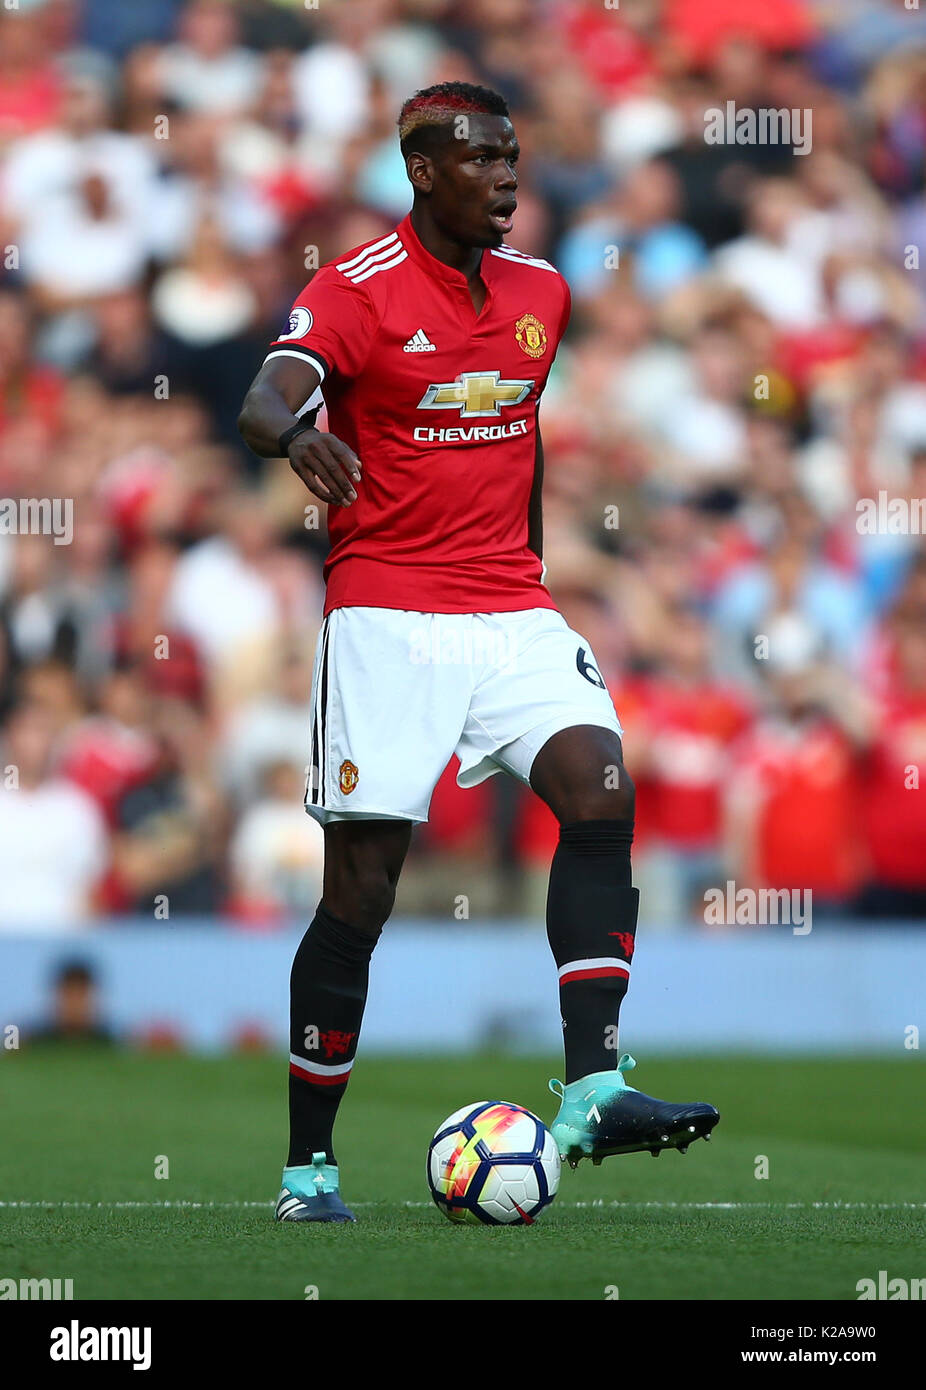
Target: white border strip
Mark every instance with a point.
(306, 356)
(594, 963)
(53, 1203)
(320, 1068)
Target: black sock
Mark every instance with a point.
(328, 990)
(591, 924)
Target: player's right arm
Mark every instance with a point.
(326, 465)
(331, 331)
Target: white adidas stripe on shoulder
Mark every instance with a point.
(365, 272)
(367, 251)
(513, 251)
(381, 255)
(508, 253)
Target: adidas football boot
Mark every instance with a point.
(600, 1115)
(310, 1193)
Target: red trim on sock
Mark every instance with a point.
(596, 974)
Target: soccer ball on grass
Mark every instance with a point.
(494, 1163)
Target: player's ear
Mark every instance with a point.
(420, 170)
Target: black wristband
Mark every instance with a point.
(287, 437)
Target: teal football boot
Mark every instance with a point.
(601, 1115)
(310, 1193)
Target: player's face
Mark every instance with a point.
(475, 181)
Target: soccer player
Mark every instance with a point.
(431, 347)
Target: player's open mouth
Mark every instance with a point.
(503, 217)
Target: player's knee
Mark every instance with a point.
(615, 799)
(625, 796)
(368, 898)
(376, 901)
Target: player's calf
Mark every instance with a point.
(591, 926)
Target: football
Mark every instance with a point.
(493, 1163)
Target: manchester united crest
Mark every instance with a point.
(531, 335)
(349, 777)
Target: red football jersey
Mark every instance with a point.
(894, 808)
(807, 828)
(689, 732)
(440, 405)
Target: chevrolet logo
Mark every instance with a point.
(475, 393)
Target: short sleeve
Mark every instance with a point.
(332, 325)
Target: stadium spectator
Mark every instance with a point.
(53, 849)
(893, 808)
(276, 854)
(78, 196)
(268, 729)
(74, 1014)
(685, 725)
(169, 826)
(793, 795)
(207, 69)
(30, 86)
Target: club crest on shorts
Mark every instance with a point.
(530, 335)
(348, 777)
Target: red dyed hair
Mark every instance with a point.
(439, 105)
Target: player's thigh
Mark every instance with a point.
(385, 716)
(579, 773)
(548, 682)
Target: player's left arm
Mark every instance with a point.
(535, 505)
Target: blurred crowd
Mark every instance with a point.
(746, 360)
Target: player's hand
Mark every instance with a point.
(327, 466)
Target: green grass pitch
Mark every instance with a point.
(83, 1132)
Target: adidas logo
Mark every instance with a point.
(419, 342)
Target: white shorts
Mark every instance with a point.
(396, 693)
